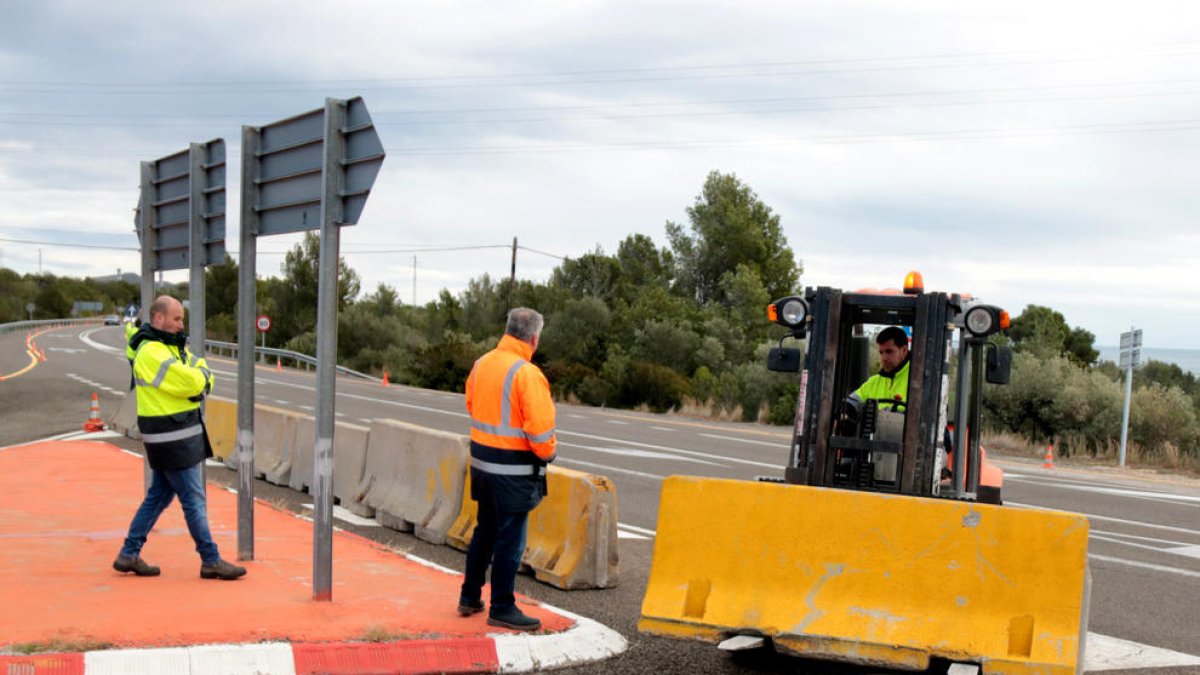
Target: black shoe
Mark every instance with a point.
(140, 567)
(221, 570)
(515, 619)
(469, 607)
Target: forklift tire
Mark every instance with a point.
(987, 494)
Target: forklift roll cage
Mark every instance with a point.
(824, 453)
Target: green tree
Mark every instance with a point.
(730, 226)
(1044, 332)
(296, 298)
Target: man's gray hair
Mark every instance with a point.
(524, 323)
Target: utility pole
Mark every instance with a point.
(512, 278)
(414, 295)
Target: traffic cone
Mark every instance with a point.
(278, 365)
(385, 380)
(94, 423)
(1048, 462)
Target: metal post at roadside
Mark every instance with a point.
(247, 293)
(149, 243)
(197, 254)
(327, 312)
(1130, 354)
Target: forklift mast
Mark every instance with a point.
(901, 450)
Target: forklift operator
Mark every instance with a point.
(891, 384)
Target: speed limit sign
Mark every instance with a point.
(263, 323)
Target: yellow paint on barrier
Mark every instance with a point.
(870, 578)
(571, 541)
(220, 419)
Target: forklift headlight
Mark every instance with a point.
(790, 312)
(983, 320)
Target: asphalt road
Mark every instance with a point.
(1145, 537)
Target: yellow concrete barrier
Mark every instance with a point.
(459, 534)
(220, 420)
(869, 578)
(413, 478)
(572, 536)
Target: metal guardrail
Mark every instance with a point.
(41, 323)
(301, 360)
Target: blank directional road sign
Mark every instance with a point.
(170, 188)
(290, 159)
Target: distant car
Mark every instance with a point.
(112, 320)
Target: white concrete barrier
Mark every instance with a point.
(349, 458)
(414, 477)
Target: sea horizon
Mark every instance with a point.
(1187, 359)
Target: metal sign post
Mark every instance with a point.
(180, 221)
(311, 171)
(1131, 353)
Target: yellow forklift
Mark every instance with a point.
(885, 543)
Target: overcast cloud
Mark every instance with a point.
(1028, 153)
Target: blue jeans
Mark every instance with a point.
(164, 485)
(499, 539)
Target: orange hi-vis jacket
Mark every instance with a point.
(510, 405)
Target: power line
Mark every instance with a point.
(60, 244)
(516, 79)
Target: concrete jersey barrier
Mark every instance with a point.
(414, 478)
(349, 459)
(572, 538)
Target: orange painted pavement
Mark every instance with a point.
(65, 507)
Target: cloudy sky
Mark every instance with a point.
(1028, 153)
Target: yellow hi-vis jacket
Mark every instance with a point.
(170, 385)
(130, 329)
(894, 388)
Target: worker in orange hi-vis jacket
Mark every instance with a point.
(512, 441)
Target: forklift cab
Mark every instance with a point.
(888, 445)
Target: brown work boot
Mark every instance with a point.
(221, 570)
(140, 567)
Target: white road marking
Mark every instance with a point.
(1110, 653)
(664, 428)
(344, 515)
(622, 534)
(633, 452)
(1145, 565)
(69, 350)
(679, 451)
(621, 422)
(746, 440)
(639, 530)
(86, 338)
(1114, 491)
(609, 469)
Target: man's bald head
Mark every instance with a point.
(166, 314)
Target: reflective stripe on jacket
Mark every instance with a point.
(510, 405)
(172, 430)
(880, 386)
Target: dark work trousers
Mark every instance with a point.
(499, 540)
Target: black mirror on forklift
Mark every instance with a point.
(999, 364)
(783, 360)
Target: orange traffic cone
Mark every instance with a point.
(94, 423)
(278, 365)
(384, 382)
(1048, 462)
